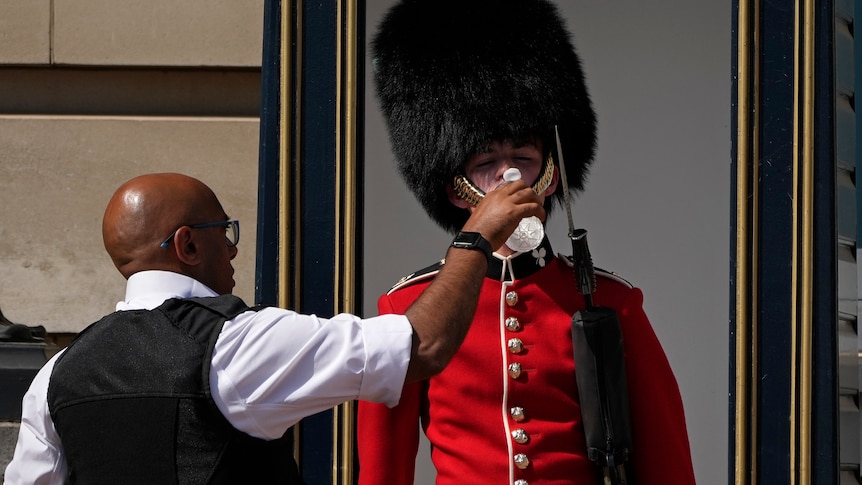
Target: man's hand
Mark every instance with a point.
(442, 315)
(500, 211)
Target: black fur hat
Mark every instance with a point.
(452, 75)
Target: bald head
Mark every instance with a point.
(146, 210)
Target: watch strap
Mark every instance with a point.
(472, 240)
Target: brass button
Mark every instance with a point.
(520, 481)
(520, 436)
(515, 370)
(515, 345)
(512, 324)
(521, 461)
(517, 413)
(512, 298)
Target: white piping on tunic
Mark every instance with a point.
(503, 349)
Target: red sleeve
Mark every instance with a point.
(388, 439)
(661, 453)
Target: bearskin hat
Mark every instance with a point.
(452, 75)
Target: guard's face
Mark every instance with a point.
(486, 169)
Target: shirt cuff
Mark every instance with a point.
(388, 343)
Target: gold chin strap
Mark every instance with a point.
(468, 191)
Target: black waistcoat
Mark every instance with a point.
(131, 401)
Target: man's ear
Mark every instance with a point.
(454, 199)
(186, 247)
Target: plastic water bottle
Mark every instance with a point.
(530, 231)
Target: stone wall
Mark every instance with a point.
(92, 93)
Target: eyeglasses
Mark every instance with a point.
(231, 231)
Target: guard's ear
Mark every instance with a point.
(454, 199)
(185, 246)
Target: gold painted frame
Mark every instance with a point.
(748, 226)
(803, 245)
(347, 192)
(747, 200)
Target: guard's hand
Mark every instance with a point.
(500, 211)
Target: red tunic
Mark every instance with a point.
(471, 412)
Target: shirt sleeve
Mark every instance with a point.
(273, 367)
(387, 437)
(38, 458)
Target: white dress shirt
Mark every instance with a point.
(270, 369)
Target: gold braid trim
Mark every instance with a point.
(468, 191)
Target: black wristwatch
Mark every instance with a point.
(472, 240)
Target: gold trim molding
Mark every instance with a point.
(346, 216)
(747, 200)
(748, 233)
(285, 197)
(803, 245)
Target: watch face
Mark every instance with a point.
(467, 239)
(472, 240)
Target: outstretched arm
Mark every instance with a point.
(442, 315)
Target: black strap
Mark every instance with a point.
(601, 377)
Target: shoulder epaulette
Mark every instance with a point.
(613, 276)
(417, 276)
(600, 272)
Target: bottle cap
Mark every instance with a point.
(511, 174)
